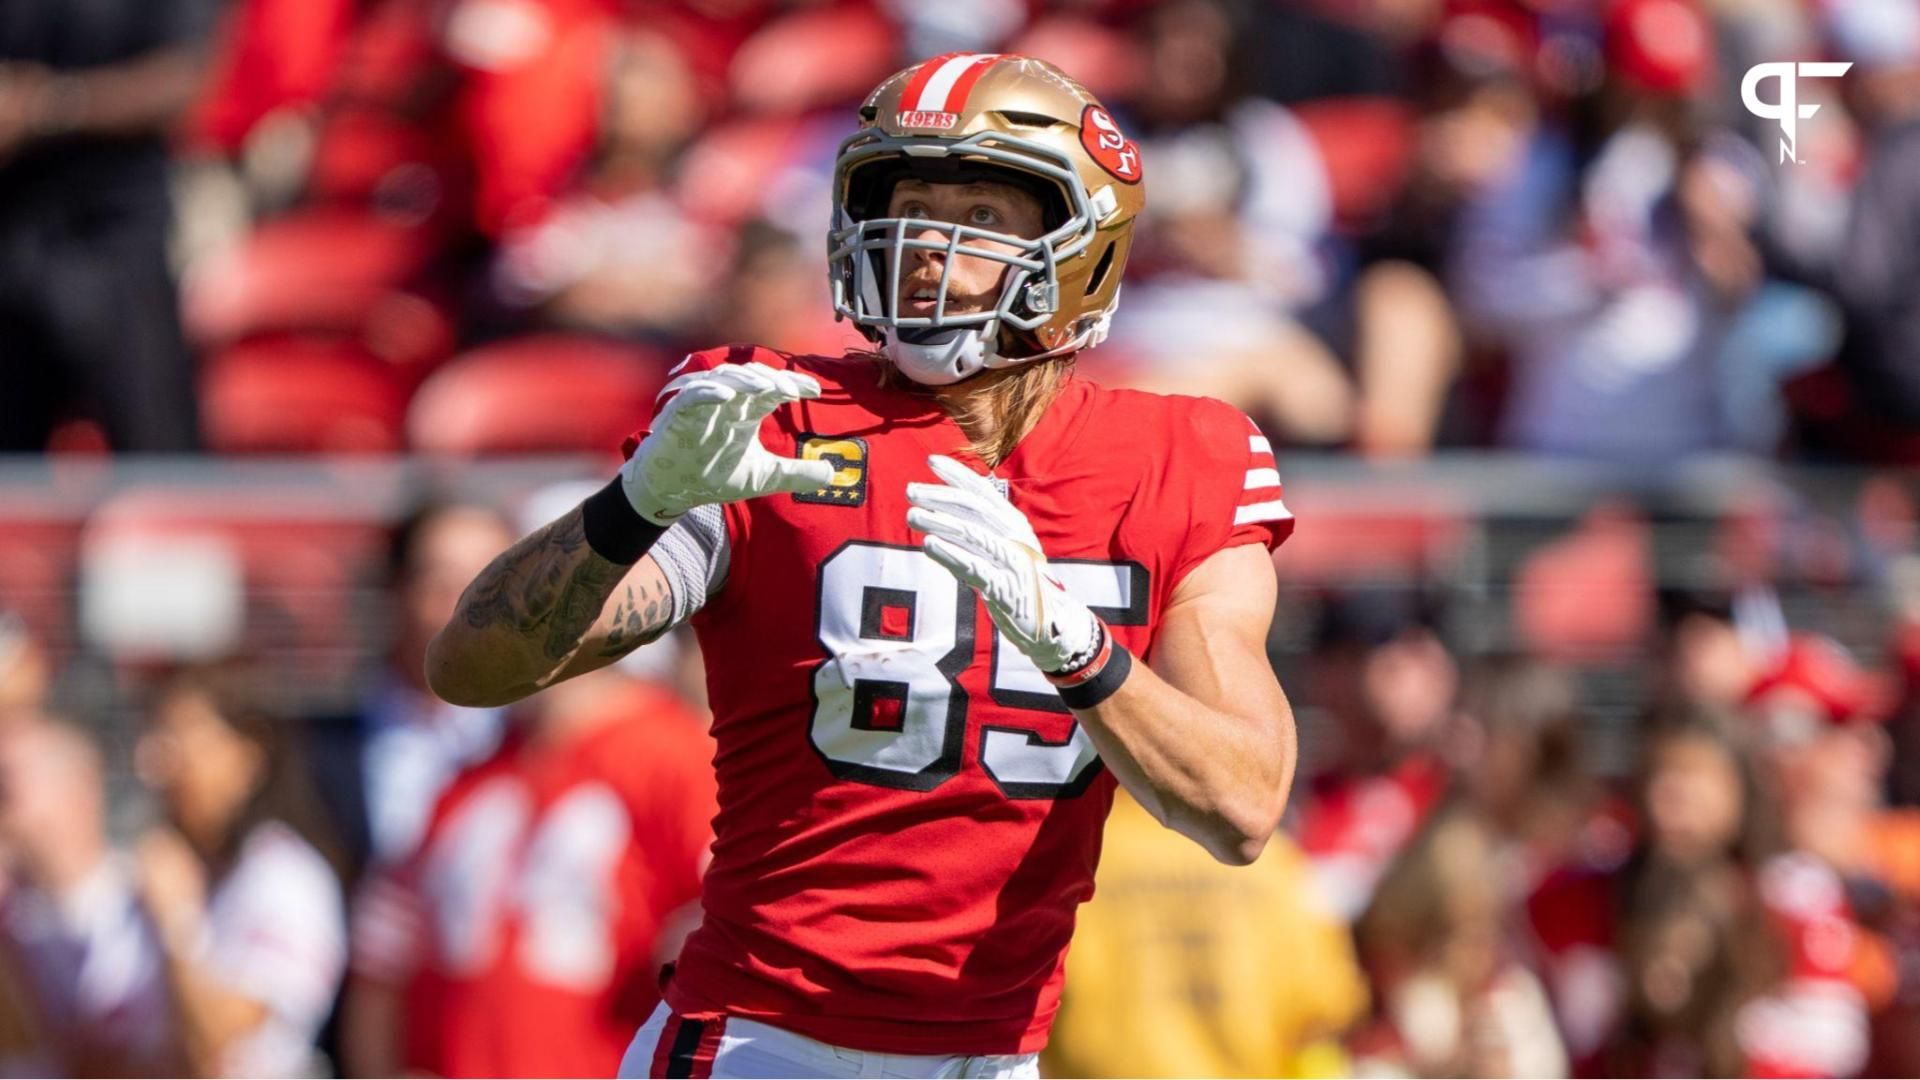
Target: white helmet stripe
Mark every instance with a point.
(933, 98)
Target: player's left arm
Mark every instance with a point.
(1204, 736)
(1204, 739)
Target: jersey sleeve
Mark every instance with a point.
(1235, 495)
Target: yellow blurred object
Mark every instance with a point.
(1184, 967)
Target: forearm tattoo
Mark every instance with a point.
(553, 588)
(640, 617)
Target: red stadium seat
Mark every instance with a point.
(302, 395)
(1103, 59)
(333, 269)
(813, 59)
(552, 394)
(724, 175)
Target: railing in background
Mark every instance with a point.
(117, 563)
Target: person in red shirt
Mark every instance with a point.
(921, 575)
(523, 937)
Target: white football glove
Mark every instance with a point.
(973, 531)
(705, 444)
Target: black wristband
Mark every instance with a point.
(615, 530)
(1102, 686)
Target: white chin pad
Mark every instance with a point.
(944, 361)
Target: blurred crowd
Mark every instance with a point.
(1462, 886)
(1380, 226)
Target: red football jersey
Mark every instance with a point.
(908, 814)
(523, 929)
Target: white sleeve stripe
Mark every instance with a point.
(1259, 443)
(679, 367)
(1262, 478)
(1266, 511)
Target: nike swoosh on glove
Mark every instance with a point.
(973, 531)
(705, 444)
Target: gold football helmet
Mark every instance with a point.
(973, 116)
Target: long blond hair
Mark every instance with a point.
(1007, 408)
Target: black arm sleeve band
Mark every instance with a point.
(1102, 686)
(615, 530)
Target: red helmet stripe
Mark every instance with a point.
(942, 84)
(921, 76)
(957, 97)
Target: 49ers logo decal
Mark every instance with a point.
(926, 119)
(1113, 151)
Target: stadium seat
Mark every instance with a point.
(812, 59)
(724, 175)
(1100, 58)
(302, 395)
(543, 394)
(340, 270)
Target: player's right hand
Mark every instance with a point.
(705, 443)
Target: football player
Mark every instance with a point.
(921, 577)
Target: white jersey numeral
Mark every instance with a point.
(898, 630)
(555, 874)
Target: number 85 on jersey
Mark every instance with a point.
(898, 630)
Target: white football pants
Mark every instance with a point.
(669, 1045)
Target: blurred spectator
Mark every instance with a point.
(1387, 684)
(1229, 252)
(82, 990)
(87, 94)
(527, 76)
(618, 253)
(381, 769)
(1872, 267)
(274, 62)
(772, 293)
(1703, 662)
(1695, 948)
(1451, 998)
(1182, 967)
(24, 669)
(1903, 723)
(525, 936)
(1522, 776)
(1474, 113)
(1303, 51)
(249, 911)
(1614, 264)
(1515, 747)
(1846, 893)
(1653, 959)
